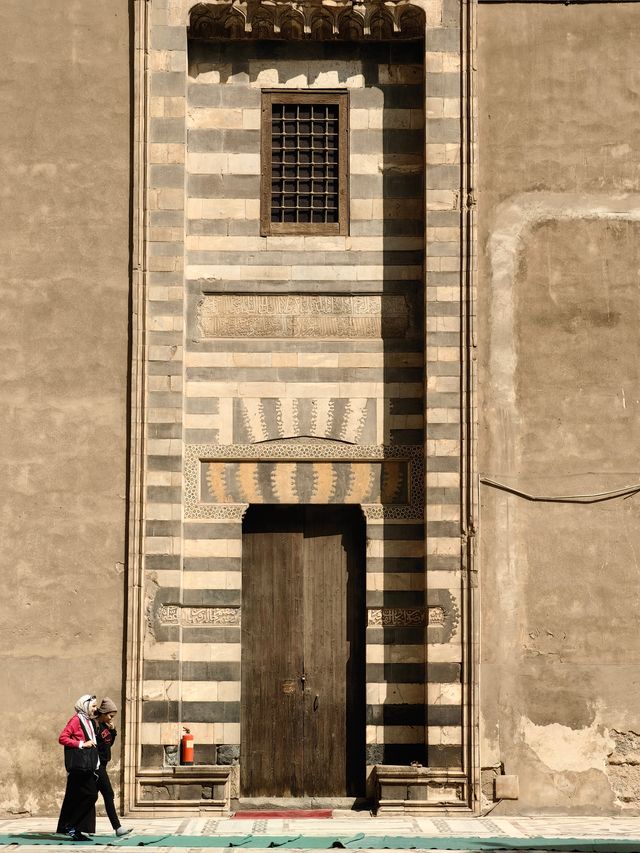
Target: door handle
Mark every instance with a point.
(316, 703)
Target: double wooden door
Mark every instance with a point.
(303, 623)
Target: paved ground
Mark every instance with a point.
(352, 830)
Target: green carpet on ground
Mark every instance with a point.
(328, 842)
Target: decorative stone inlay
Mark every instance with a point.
(403, 617)
(305, 482)
(318, 21)
(292, 452)
(398, 617)
(435, 616)
(323, 316)
(176, 614)
(346, 419)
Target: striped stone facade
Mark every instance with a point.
(299, 369)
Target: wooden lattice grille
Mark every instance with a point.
(304, 146)
(304, 163)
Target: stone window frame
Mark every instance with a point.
(340, 97)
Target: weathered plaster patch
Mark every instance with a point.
(513, 218)
(569, 750)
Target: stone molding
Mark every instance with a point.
(318, 21)
(419, 790)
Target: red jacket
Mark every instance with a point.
(73, 734)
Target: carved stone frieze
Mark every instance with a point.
(404, 617)
(396, 617)
(321, 316)
(176, 614)
(316, 20)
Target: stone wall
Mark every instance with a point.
(64, 149)
(559, 220)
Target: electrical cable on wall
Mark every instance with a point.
(596, 497)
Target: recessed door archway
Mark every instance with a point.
(303, 642)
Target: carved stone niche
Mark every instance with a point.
(317, 21)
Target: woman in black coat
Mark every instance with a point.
(78, 812)
(107, 734)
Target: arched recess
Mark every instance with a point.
(279, 21)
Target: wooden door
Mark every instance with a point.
(303, 609)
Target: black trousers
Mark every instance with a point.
(104, 786)
(79, 805)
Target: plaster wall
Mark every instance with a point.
(64, 245)
(559, 305)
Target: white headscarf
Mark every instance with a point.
(83, 705)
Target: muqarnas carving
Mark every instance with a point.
(339, 20)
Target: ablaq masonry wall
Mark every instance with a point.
(296, 369)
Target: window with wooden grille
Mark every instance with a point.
(304, 163)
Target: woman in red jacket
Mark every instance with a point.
(78, 813)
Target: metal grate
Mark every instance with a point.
(305, 163)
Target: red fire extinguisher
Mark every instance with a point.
(186, 747)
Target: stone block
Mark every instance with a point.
(189, 792)
(228, 754)
(374, 753)
(152, 755)
(417, 792)
(167, 83)
(205, 753)
(167, 130)
(393, 792)
(507, 788)
(168, 38)
(157, 792)
(443, 39)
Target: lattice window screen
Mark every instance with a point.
(304, 147)
(304, 163)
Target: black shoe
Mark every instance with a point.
(74, 835)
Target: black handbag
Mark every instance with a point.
(80, 759)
